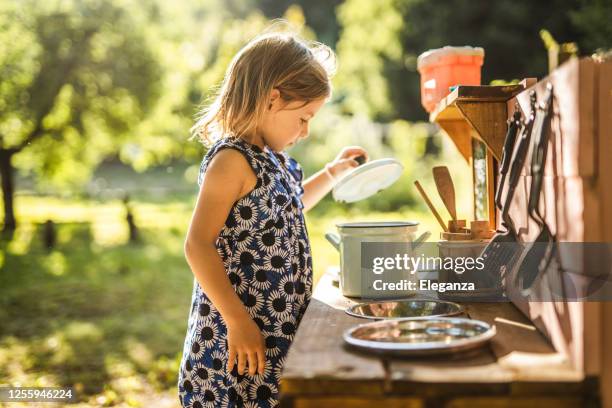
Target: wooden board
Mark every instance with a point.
(603, 355)
(576, 198)
(571, 149)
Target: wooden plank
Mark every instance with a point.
(317, 362)
(604, 145)
(606, 357)
(487, 93)
(481, 93)
(351, 402)
(571, 149)
(519, 361)
(521, 349)
(575, 402)
(475, 374)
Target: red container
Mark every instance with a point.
(445, 67)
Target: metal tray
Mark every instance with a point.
(399, 309)
(420, 336)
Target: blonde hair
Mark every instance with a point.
(300, 70)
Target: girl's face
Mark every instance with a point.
(286, 123)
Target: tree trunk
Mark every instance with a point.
(8, 188)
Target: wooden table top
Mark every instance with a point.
(518, 361)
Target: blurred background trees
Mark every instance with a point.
(77, 79)
(87, 81)
(96, 101)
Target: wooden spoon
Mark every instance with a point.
(446, 189)
(430, 205)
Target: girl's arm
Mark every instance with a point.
(227, 178)
(321, 183)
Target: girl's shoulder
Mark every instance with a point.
(231, 153)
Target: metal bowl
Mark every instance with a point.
(420, 336)
(400, 309)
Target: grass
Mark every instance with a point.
(103, 315)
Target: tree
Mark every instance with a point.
(381, 40)
(77, 76)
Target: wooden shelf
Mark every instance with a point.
(479, 113)
(476, 112)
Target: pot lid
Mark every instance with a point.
(377, 224)
(368, 179)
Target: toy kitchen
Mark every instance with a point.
(534, 334)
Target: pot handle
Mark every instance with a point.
(333, 239)
(420, 240)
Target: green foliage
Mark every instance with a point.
(592, 19)
(84, 77)
(380, 42)
(369, 43)
(114, 324)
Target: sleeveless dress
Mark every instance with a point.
(266, 253)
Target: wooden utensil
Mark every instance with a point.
(456, 225)
(479, 228)
(446, 189)
(430, 205)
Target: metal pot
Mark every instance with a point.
(348, 243)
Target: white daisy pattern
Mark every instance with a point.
(276, 260)
(265, 250)
(278, 306)
(244, 239)
(253, 300)
(273, 345)
(197, 402)
(245, 213)
(197, 349)
(207, 332)
(237, 279)
(218, 360)
(285, 328)
(262, 391)
(278, 370)
(286, 287)
(202, 375)
(262, 279)
(263, 322)
(268, 241)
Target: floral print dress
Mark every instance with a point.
(266, 253)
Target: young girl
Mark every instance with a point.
(247, 243)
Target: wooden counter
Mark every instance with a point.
(519, 367)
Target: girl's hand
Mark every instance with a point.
(345, 161)
(245, 344)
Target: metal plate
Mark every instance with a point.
(398, 309)
(421, 336)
